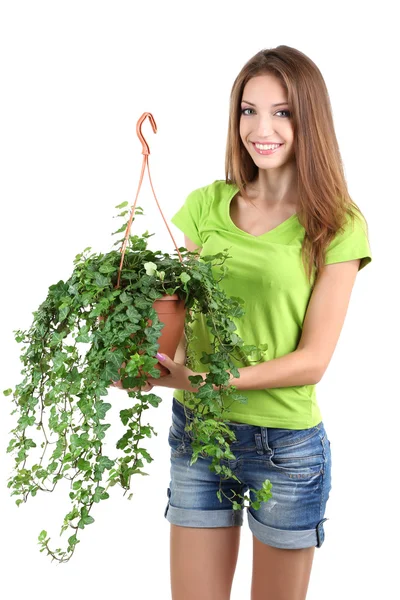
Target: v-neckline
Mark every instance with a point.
(281, 225)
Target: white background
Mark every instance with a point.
(75, 78)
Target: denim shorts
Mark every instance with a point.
(297, 462)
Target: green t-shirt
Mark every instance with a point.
(268, 274)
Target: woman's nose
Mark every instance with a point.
(264, 128)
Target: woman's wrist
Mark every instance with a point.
(216, 387)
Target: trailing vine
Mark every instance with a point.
(62, 390)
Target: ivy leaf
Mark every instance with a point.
(58, 360)
(100, 494)
(25, 421)
(184, 277)
(42, 536)
(72, 541)
(125, 415)
(133, 315)
(104, 463)
(145, 454)
(107, 269)
(110, 371)
(125, 298)
(150, 268)
(82, 335)
(141, 303)
(83, 465)
(153, 399)
(100, 430)
(87, 520)
(101, 281)
(101, 408)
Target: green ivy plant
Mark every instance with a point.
(62, 390)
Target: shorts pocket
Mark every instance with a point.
(303, 459)
(176, 443)
(178, 439)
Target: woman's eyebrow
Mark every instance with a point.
(273, 105)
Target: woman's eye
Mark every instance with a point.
(243, 111)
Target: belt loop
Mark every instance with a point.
(264, 433)
(259, 445)
(267, 449)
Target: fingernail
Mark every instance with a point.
(160, 356)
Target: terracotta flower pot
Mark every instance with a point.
(171, 311)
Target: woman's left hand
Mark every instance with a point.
(176, 378)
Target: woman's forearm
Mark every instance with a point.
(293, 369)
(180, 354)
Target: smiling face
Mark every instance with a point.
(265, 119)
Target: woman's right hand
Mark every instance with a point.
(146, 388)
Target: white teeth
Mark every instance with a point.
(267, 147)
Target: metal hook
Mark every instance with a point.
(146, 149)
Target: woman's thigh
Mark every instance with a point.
(203, 562)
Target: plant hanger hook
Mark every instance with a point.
(145, 163)
(146, 149)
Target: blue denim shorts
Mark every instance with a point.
(296, 462)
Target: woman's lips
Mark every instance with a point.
(266, 152)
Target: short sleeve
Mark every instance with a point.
(189, 217)
(351, 243)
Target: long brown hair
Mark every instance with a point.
(324, 201)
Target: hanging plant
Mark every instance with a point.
(126, 308)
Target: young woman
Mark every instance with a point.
(297, 242)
